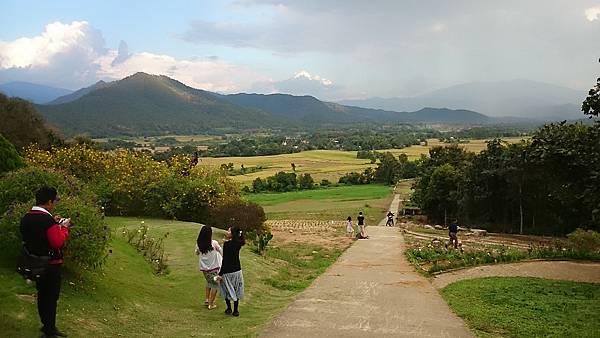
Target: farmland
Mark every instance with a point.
(325, 164)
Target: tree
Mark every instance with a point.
(591, 105)
(388, 169)
(305, 182)
(9, 158)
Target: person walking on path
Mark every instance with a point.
(361, 232)
(390, 219)
(230, 277)
(209, 263)
(44, 235)
(453, 233)
(349, 227)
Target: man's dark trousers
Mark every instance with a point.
(48, 288)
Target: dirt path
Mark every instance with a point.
(371, 291)
(563, 270)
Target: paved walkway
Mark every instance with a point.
(371, 291)
(560, 270)
(393, 208)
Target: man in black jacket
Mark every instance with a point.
(45, 235)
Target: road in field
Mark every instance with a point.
(371, 291)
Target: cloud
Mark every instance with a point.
(122, 54)
(74, 55)
(305, 83)
(593, 13)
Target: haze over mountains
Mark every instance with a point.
(151, 104)
(517, 98)
(143, 104)
(35, 93)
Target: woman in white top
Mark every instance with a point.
(209, 263)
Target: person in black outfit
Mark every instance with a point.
(45, 235)
(230, 277)
(361, 232)
(453, 233)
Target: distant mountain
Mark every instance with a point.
(517, 98)
(150, 104)
(32, 92)
(307, 109)
(79, 93)
(144, 104)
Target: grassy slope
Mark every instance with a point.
(127, 299)
(334, 203)
(526, 307)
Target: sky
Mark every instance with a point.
(333, 49)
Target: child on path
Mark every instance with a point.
(209, 263)
(349, 227)
(230, 277)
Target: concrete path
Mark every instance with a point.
(371, 291)
(393, 208)
(560, 270)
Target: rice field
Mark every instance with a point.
(326, 164)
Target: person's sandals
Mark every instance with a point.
(206, 302)
(213, 306)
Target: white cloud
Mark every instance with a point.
(305, 83)
(74, 55)
(57, 39)
(593, 13)
(307, 75)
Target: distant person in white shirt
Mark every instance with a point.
(211, 257)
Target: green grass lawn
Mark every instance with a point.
(126, 299)
(335, 203)
(341, 193)
(526, 307)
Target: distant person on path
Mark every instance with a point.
(453, 233)
(349, 227)
(390, 219)
(361, 232)
(209, 263)
(44, 235)
(230, 275)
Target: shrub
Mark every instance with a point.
(585, 241)
(86, 247)
(247, 216)
(305, 182)
(20, 186)
(9, 157)
(133, 184)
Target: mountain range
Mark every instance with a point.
(517, 98)
(144, 104)
(35, 93)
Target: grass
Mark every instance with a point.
(127, 299)
(526, 307)
(335, 203)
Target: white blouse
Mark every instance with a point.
(211, 260)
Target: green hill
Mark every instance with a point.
(149, 104)
(144, 104)
(22, 124)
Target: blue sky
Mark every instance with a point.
(331, 49)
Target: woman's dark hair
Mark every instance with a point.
(237, 235)
(349, 218)
(204, 240)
